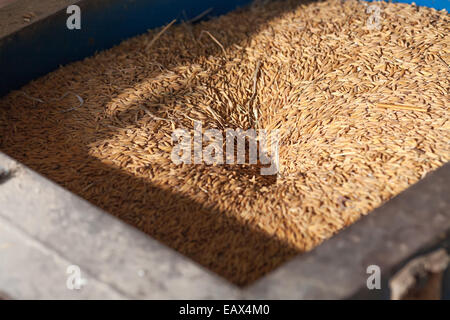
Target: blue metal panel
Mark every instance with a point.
(44, 45)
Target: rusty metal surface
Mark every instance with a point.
(416, 219)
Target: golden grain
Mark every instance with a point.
(312, 70)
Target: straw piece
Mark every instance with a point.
(215, 40)
(159, 34)
(199, 16)
(401, 107)
(443, 61)
(251, 106)
(80, 99)
(147, 111)
(30, 97)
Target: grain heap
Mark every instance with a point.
(315, 71)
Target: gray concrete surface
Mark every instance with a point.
(13, 13)
(45, 228)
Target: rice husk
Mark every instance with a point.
(312, 70)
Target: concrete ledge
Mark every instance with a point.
(45, 228)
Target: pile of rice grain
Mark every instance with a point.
(315, 71)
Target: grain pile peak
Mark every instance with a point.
(314, 71)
